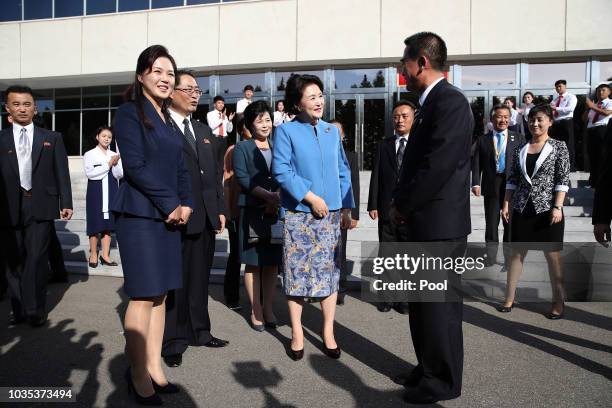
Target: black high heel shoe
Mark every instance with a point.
(296, 354)
(111, 263)
(505, 309)
(166, 389)
(556, 316)
(153, 400)
(332, 353)
(93, 264)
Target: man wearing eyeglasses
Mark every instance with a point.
(383, 181)
(218, 120)
(187, 318)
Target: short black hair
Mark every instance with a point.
(295, 90)
(497, 107)
(249, 87)
(404, 102)
(102, 129)
(561, 81)
(182, 72)
(218, 98)
(253, 111)
(603, 86)
(543, 108)
(277, 102)
(509, 98)
(430, 45)
(21, 89)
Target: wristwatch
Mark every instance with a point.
(558, 207)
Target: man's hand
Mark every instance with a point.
(602, 234)
(373, 214)
(396, 216)
(221, 224)
(231, 116)
(476, 191)
(354, 223)
(505, 213)
(66, 213)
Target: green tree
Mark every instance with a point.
(281, 85)
(379, 81)
(365, 83)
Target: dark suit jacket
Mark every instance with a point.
(203, 170)
(354, 166)
(484, 168)
(383, 179)
(51, 190)
(433, 191)
(155, 178)
(251, 170)
(602, 201)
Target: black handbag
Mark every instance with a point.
(262, 227)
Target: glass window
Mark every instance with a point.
(10, 10)
(68, 98)
(359, 78)
(605, 71)
(236, 83)
(101, 6)
(35, 9)
(488, 76)
(477, 104)
(201, 112)
(117, 92)
(68, 8)
(166, 3)
(280, 78)
(44, 100)
(44, 120)
(68, 124)
(191, 2)
(95, 97)
(92, 120)
(133, 5)
(547, 74)
(204, 84)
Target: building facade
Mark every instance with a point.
(79, 55)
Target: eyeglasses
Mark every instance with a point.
(191, 91)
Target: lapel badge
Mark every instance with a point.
(512, 138)
(10, 152)
(46, 144)
(206, 141)
(327, 129)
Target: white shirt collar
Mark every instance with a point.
(428, 90)
(398, 137)
(17, 128)
(177, 117)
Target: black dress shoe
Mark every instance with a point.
(14, 320)
(295, 354)
(332, 353)
(59, 279)
(408, 380)
(216, 343)
(173, 360)
(166, 389)
(37, 321)
(412, 396)
(108, 263)
(401, 307)
(505, 309)
(93, 265)
(383, 307)
(152, 400)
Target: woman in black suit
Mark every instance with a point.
(538, 182)
(151, 203)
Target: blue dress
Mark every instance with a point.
(155, 183)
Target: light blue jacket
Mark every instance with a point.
(308, 158)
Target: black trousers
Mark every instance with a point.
(56, 257)
(492, 206)
(390, 232)
(3, 283)
(437, 337)
(564, 130)
(231, 281)
(596, 149)
(187, 319)
(26, 249)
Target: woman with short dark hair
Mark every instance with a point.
(312, 170)
(259, 203)
(536, 187)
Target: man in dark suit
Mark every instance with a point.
(433, 201)
(602, 201)
(187, 318)
(34, 186)
(491, 164)
(383, 182)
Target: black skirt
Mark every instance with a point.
(534, 231)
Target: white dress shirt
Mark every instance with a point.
(566, 107)
(428, 90)
(602, 120)
(178, 119)
(95, 162)
(242, 104)
(214, 122)
(397, 141)
(280, 118)
(17, 134)
(513, 117)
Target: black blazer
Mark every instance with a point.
(484, 167)
(251, 170)
(383, 179)
(433, 191)
(51, 190)
(205, 179)
(602, 201)
(351, 157)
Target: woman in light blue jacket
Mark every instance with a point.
(316, 195)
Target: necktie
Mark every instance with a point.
(400, 152)
(597, 115)
(188, 135)
(501, 153)
(555, 113)
(221, 125)
(25, 160)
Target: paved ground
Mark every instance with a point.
(520, 359)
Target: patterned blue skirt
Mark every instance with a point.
(311, 254)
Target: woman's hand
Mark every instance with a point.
(185, 214)
(345, 218)
(174, 217)
(113, 161)
(556, 215)
(506, 212)
(318, 207)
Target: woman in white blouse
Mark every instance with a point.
(280, 115)
(103, 169)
